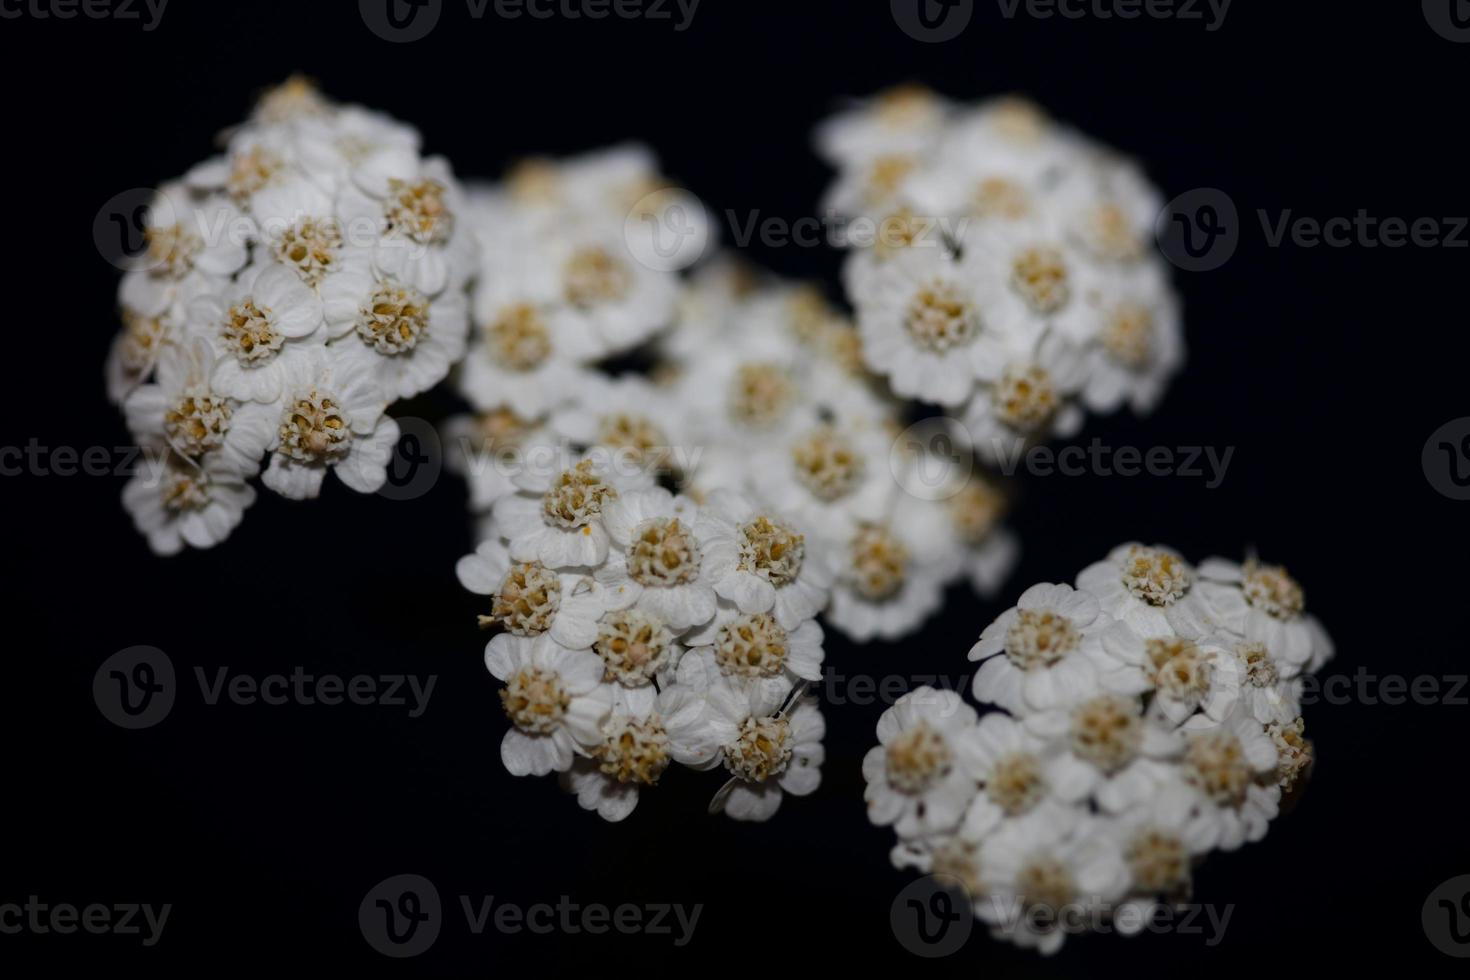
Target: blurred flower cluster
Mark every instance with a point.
(289, 291)
(1000, 264)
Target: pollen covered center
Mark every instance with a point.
(1016, 784)
(1039, 275)
(313, 428)
(535, 700)
(633, 750)
(1127, 335)
(1039, 638)
(529, 597)
(633, 646)
(250, 332)
(760, 394)
(1156, 577)
(518, 338)
(594, 276)
(918, 758)
(310, 246)
(1215, 764)
(395, 319)
(577, 497)
(1271, 590)
(827, 464)
(752, 646)
(771, 550)
(663, 553)
(879, 563)
(939, 318)
(1107, 732)
(761, 751)
(416, 209)
(196, 423)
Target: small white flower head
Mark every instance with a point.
(329, 416)
(605, 293)
(628, 416)
(1027, 399)
(768, 746)
(761, 562)
(924, 771)
(181, 410)
(554, 698)
(657, 561)
(523, 356)
(1112, 752)
(1041, 654)
(1262, 603)
(923, 324)
(1039, 869)
(1138, 584)
(1161, 839)
(752, 647)
(1233, 766)
(177, 502)
(486, 447)
(529, 599)
(903, 119)
(557, 515)
(1138, 346)
(633, 754)
(188, 238)
(405, 339)
(261, 327)
(1180, 675)
(886, 583)
(1294, 752)
(1013, 768)
(412, 206)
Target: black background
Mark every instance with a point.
(1326, 369)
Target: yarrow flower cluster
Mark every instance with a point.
(1147, 716)
(1007, 271)
(674, 475)
(291, 289)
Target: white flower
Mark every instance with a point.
(657, 562)
(412, 206)
(768, 749)
(1228, 764)
(528, 599)
(829, 477)
(1261, 603)
(1050, 641)
(1138, 584)
(752, 647)
(1160, 839)
(634, 752)
(176, 502)
(1028, 399)
(1013, 769)
(923, 773)
(925, 325)
(627, 415)
(553, 696)
(330, 417)
(406, 340)
(557, 516)
(604, 292)
(760, 562)
(891, 573)
(1138, 343)
(182, 411)
(1112, 751)
(1040, 869)
(1182, 676)
(187, 238)
(902, 119)
(522, 355)
(261, 328)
